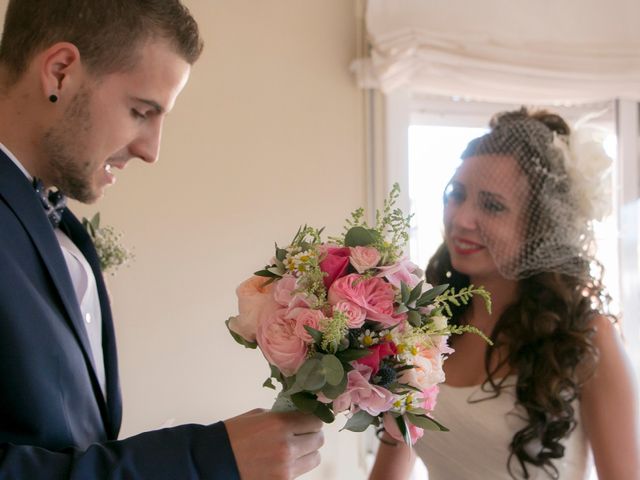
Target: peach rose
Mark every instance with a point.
(426, 372)
(279, 343)
(255, 302)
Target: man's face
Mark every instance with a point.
(113, 119)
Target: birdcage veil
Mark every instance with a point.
(536, 208)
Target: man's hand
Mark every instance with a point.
(275, 446)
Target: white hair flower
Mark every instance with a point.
(589, 169)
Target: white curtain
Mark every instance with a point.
(509, 51)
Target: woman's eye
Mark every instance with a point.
(454, 194)
(493, 206)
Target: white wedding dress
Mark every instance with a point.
(477, 445)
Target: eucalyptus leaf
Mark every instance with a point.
(283, 404)
(324, 413)
(332, 369)
(305, 402)
(359, 422)
(334, 391)
(359, 237)
(311, 376)
(95, 221)
(425, 422)
(238, 338)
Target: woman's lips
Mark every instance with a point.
(462, 246)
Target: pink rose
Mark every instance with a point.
(430, 397)
(376, 354)
(279, 343)
(334, 264)
(364, 258)
(354, 313)
(285, 293)
(363, 395)
(374, 295)
(403, 271)
(391, 427)
(255, 302)
(306, 316)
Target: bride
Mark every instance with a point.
(556, 388)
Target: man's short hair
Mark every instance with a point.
(108, 33)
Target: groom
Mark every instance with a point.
(84, 88)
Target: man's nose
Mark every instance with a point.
(146, 146)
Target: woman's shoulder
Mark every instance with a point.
(606, 331)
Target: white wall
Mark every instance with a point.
(267, 135)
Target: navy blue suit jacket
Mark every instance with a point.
(54, 420)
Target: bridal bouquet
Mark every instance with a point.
(348, 325)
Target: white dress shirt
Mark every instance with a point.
(84, 284)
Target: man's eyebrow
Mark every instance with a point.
(155, 105)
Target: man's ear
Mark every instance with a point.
(60, 69)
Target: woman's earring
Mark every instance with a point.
(53, 98)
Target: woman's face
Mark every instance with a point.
(483, 216)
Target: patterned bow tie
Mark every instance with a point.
(52, 202)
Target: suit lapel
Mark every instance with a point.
(78, 234)
(19, 195)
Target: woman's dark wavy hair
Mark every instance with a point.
(545, 334)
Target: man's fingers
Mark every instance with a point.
(305, 464)
(302, 445)
(302, 423)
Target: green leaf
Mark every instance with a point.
(352, 354)
(95, 221)
(414, 318)
(415, 293)
(283, 404)
(269, 384)
(315, 334)
(334, 391)
(238, 338)
(281, 253)
(430, 295)
(404, 429)
(404, 292)
(305, 402)
(311, 376)
(425, 422)
(359, 237)
(266, 273)
(324, 413)
(359, 422)
(332, 369)
(401, 309)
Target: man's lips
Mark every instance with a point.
(463, 246)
